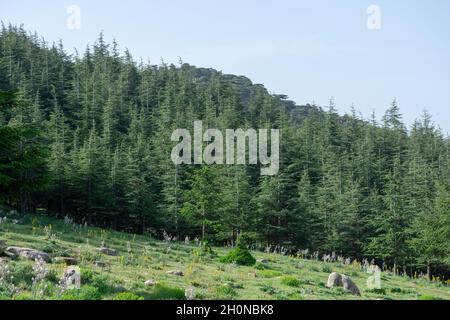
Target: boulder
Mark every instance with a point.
(176, 273)
(263, 260)
(341, 280)
(71, 277)
(107, 251)
(349, 285)
(334, 280)
(32, 254)
(66, 260)
(150, 282)
(100, 264)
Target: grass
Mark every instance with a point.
(141, 258)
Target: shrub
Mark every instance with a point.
(226, 291)
(290, 281)
(128, 296)
(269, 289)
(327, 269)
(269, 273)
(164, 292)
(84, 293)
(102, 283)
(23, 274)
(240, 256)
(378, 291)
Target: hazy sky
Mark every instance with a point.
(309, 50)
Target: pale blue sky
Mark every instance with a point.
(309, 50)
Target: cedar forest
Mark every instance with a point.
(88, 136)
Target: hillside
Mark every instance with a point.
(140, 258)
(89, 136)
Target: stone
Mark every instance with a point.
(252, 274)
(263, 260)
(334, 280)
(107, 251)
(71, 277)
(341, 280)
(150, 282)
(32, 254)
(176, 273)
(66, 260)
(100, 264)
(349, 285)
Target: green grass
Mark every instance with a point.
(141, 258)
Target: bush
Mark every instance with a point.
(269, 273)
(84, 293)
(128, 296)
(23, 274)
(327, 269)
(164, 292)
(240, 256)
(290, 281)
(102, 283)
(226, 291)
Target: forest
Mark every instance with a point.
(88, 136)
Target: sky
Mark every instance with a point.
(309, 50)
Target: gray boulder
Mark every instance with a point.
(334, 280)
(107, 251)
(70, 277)
(349, 285)
(66, 260)
(32, 254)
(341, 280)
(100, 264)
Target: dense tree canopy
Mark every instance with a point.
(89, 136)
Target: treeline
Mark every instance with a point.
(99, 152)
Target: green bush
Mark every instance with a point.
(102, 283)
(269, 273)
(290, 281)
(84, 293)
(226, 291)
(240, 256)
(327, 269)
(165, 292)
(128, 296)
(23, 274)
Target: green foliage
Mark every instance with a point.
(86, 292)
(127, 296)
(240, 256)
(165, 292)
(89, 137)
(226, 292)
(290, 281)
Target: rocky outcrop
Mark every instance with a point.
(69, 261)
(107, 251)
(32, 254)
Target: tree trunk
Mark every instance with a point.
(428, 272)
